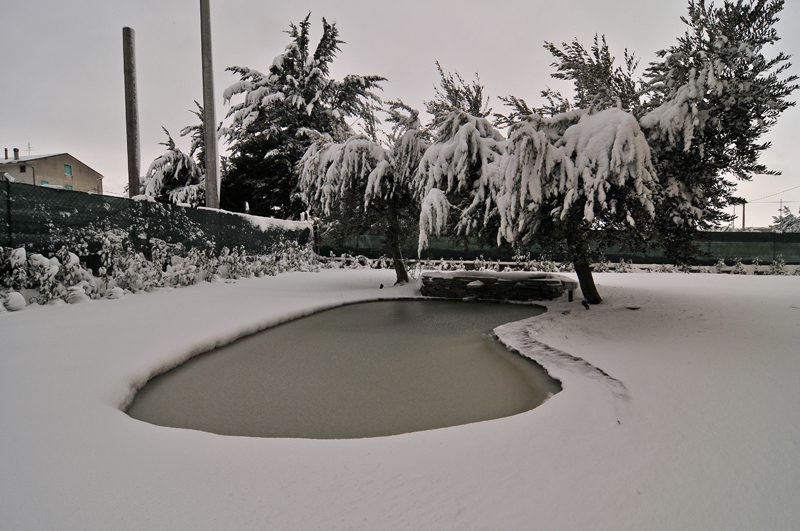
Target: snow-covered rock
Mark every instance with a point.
(14, 301)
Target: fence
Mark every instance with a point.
(44, 219)
(766, 246)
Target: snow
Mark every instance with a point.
(681, 414)
(266, 224)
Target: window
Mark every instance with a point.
(67, 169)
(44, 183)
(22, 169)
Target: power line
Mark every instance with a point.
(772, 195)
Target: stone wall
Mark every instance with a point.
(496, 286)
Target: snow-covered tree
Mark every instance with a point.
(281, 114)
(455, 178)
(575, 183)
(786, 222)
(359, 185)
(196, 132)
(713, 96)
(636, 164)
(174, 177)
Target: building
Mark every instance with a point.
(60, 170)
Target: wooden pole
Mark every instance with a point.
(209, 115)
(131, 111)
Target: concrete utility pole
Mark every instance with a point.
(744, 205)
(131, 111)
(209, 115)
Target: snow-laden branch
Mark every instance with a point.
(601, 151)
(679, 118)
(598, 156)
(329, 169)
(433, 216)
(465, 151)
(461, 163)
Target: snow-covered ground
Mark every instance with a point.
(682, 414)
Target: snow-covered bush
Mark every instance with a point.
(738, 268)
(624, 267)
(778, 266)
(13, 301)
(603, 266)
(720, 266)
(123, 270)
(16, 275)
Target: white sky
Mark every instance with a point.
(62, 88)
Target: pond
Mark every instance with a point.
(363, 370)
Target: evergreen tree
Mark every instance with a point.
(786, 222)
(174, 177)
(358, 185)
(282, 114)
(196, 133)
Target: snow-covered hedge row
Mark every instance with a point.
(36, 279)
(545, 265)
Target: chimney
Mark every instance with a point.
(16, 153)
(6, 153)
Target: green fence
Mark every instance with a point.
(713, 245)
(44, 219)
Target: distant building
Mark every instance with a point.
(60, 170)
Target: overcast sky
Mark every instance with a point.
(62, 84)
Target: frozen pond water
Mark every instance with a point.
(364, 370)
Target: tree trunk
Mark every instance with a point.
(584, 270)
(399, 266)
(393, 243)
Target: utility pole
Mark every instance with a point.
(209, 115)
(131, 111)
(744, 204)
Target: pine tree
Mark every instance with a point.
(196, 133)
(281, 115)
(174, 177)
(454, 181)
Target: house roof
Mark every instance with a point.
(30, 158)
